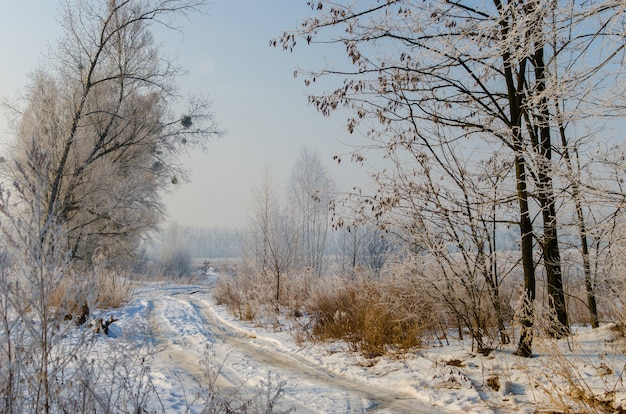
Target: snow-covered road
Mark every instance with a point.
(192, 342)
(171, 345)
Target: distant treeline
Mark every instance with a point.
(213, 242)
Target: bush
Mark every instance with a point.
(374, 317)
(247, 295)
(97, 290)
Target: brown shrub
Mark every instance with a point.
(77, 292)
(111, 290)
(374, 317)
(246, 295)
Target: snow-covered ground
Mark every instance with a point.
(189, 345)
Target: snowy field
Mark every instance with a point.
(187, 346)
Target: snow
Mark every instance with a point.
(191, 345)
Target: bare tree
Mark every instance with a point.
(378, 247)
(175, 252)
(435, 88)
(599, 218)
(437, 73)
(34, 305)
(273, 232)
(311, 191)
(362, 245)
(103, 110)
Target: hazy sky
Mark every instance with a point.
(255, 96)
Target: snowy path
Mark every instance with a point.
(175, 341)
(187, 329)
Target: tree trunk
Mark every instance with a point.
(582, 229)
(551, 252)
(491, 273)
(524, 347)
(525, 224)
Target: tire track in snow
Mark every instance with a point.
(308, 387)
(359, 397)
(180, 355)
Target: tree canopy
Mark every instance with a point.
(448, 88)
(105, 117)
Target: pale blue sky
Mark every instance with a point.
(227, 55)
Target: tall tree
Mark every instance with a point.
(436, 82)
(435, 73)
(311, 190)
(103, 111)
(273, 232)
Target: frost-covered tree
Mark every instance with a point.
(363, 246)
(103, 109)
(311, 190)
(176, 253)
(273, 233)
(426, 79)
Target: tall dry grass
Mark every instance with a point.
(374, 317)
(80, 293)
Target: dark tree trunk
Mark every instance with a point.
(524, 347)
(582, 230)
(515, 83)
(551, 252)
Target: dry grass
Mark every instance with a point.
(569, 387)
(374, 317)
(376, 314)
(247, 295)
(112, 290)
(78, 293)
(582, 373)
